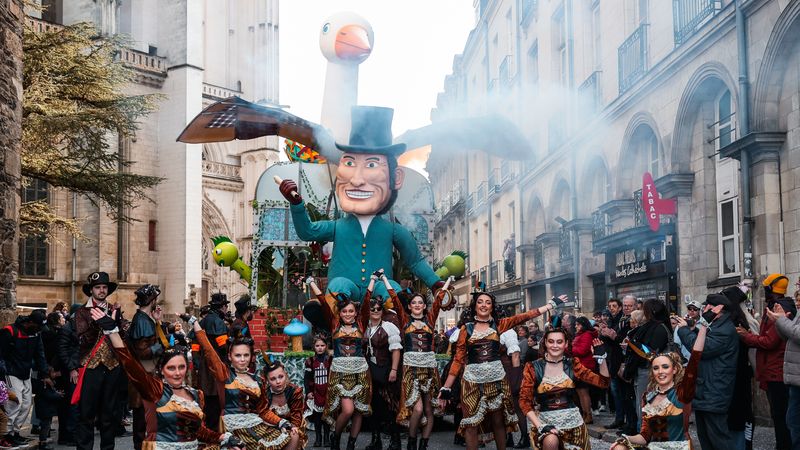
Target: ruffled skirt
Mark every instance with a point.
(355, 386)
(416, 382)
(574, 434)
(480, 399)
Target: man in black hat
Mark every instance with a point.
(367, 183)
(100, 387)
(243, 314)
(148, 341)
(716, 373)
(22, 349)
(217, 332)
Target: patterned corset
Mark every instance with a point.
(665, 419)
(178, 419)
(241, 396)
(483, 350)
(555, 393)
(347, 343)
(418, 340)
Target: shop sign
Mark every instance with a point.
(631, 269)
(653, 205)
(630, 262)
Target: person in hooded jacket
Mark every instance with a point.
(741, 421)
(769, 356)
(716, 375)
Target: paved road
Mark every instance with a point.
(442, 437)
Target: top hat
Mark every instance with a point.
(146, 294)
(243, 304)
(371, 132)
(95, 279)
(218, 299)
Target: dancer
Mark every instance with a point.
(669, 391)
(550, 382)
(316, 384)
(349, 383)
(173, 411)
(485, 393)
(244, 412)
(383, 344)
(420, 372)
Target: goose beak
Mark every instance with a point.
(352, 43)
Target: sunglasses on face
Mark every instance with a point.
(376, 308)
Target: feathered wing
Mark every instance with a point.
(493, 134)
(235, 118)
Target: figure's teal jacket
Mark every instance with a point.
(355, 256)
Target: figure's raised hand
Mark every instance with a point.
(288, 189)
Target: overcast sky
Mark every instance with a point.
(415, 41)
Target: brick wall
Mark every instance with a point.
(277, 342)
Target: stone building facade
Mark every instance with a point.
(606, 92)
(194, 53)
(10, 132)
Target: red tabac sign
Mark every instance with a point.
(653, 205)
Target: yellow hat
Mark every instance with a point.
(777, 282)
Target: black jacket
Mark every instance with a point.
(21, 352)
(67, 351)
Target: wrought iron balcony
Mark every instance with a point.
(538, 257)
(564, 245)
(689, 15)
(632, 56)
(494, 181)
(600, 226)
(481, 194)
(639, 217)
(506, 171)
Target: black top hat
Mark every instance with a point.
(371, 132)
(218, 299)
(243, 304)
(95, 279)
(146, 294)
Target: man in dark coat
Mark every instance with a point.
(217, 331)
(100, 387)
(69, 359)
(716, 374)
(243, 314)
(22, 351)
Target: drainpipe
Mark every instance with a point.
(576, 244)
(488, 158)
(744, 127)
(74, 276)
(120, 223)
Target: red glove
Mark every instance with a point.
(288, 189)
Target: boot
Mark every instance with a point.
(509, 440)
(412, 443)
(395, 443)
(423, 444)
(351, 442)
(318, 435)
(375, 443)
(459, 440)
(336, 440)
(326, 435)
(524, 442)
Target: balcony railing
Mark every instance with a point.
(632, 56)
(639, 217)
(494, 181)
(689, 15)
(218, 92)
(221, 170)
(143, 61)
(506, 172)
(600, 226)
(589, 91)
(564, 245)
(538, 257)
(480, 194)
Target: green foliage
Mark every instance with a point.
(74, 115)
(304, 354)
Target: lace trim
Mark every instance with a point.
(656, 410)
(281, 410)
(482, 334)
(239, 421)
(252, 384)
(669, 445)
(189, 405)
(419, 359)
(349, 364)
(555, 381)
(562, 418)
(418, 389)
(190, 445)
(279, 441)
(483, 407)
(486, 372)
